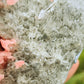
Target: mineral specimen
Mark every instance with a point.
(48, 45)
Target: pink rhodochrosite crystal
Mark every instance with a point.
(19, 64)
(11, 2)
(6, 44)
(6, 55)
(1, 76)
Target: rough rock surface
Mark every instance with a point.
(47, 45)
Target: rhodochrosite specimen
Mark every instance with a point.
(6, 48)
(5, 54)
(50, 35)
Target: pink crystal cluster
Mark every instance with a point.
(6, 48)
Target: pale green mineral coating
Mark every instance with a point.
(49, 45)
